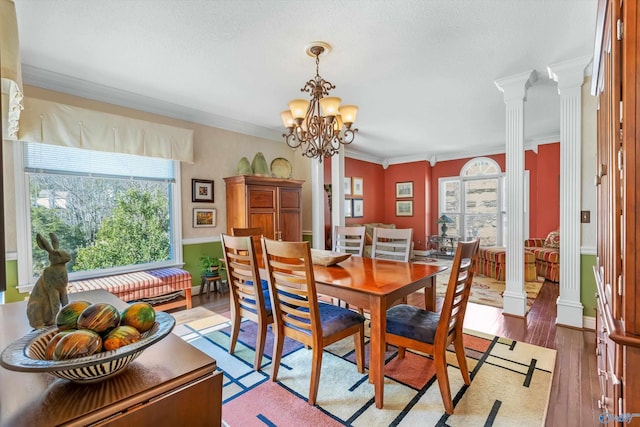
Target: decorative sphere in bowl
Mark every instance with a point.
(27, 354)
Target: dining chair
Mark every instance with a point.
(297, 312)
(256, 234)
(247, 300)
(348, 239)
(428, 332)
(392, 243)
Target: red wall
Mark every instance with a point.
(544, 193)
(379, 191)
(418, 173)
(547, 213)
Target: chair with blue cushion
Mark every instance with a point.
(431, 333)
(247, 301)
(297, 312)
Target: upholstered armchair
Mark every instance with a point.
(547, 255)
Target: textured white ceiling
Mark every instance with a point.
(422, 71)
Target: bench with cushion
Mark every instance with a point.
(162, 287)
(492, 262)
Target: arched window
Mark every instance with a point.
(476, 202)
(480, 166)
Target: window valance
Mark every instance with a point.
(59, 124)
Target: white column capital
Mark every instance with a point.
(569, 74)
(515, 87)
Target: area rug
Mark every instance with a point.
(510, 383)
(485, 290)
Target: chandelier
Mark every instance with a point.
(319, 126)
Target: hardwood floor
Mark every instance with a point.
(575, 388)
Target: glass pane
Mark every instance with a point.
(102, 223)
(452, 197)
(481, 196)
(482, 226)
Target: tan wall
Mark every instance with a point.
(216, 152)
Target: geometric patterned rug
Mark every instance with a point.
(486, 290)
(510, 382)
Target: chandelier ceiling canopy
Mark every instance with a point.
(319, 126)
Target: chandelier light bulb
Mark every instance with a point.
(287, 119)
(348, 113)
(330, 105)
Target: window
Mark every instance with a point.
(112, 212)
(476, 201)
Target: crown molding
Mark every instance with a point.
(78, 87)
(70, 85)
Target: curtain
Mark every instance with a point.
(59, 124)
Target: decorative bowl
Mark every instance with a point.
(326, 258)
(27, 354)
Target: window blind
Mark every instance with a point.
(54, 159)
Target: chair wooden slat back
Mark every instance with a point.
(392, 243)
(247, 295)
(349, 239)
(458, 290)
(292, 284)
(256, 234)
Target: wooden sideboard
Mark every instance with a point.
(170, 383)
(616, 81)
(275, 204)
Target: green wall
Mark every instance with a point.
(12, 294)
(588, 285)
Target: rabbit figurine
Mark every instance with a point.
(51, 288)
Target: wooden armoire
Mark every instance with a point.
(616, 82)
(275, 204)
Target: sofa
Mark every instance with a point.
(492, 262)
(547, 255)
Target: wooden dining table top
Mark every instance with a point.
(374, 276)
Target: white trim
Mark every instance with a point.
(200, 240)
(589, 322)
(588, 250)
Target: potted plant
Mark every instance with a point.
(209, 266)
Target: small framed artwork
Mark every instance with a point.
(347, 185)
(404, 207)
(348, 213)
(201, 190)
(204, 218)
(404, 189)
(358, 208)
(358, 186)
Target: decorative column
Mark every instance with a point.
(514, 89)
(337, 188)
(570, 75)
(317, 204)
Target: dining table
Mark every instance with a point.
(375, 285)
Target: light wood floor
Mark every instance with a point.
(575, 388)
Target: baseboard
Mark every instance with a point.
(589, 323)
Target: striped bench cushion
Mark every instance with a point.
(137, 285)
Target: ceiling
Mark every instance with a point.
(421, 71)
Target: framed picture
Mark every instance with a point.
(358, 208)
(347, 209)
(404, 207)
(201, 190)
(204, 218)
(347, 185)
(404, 189)
(358, 186)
